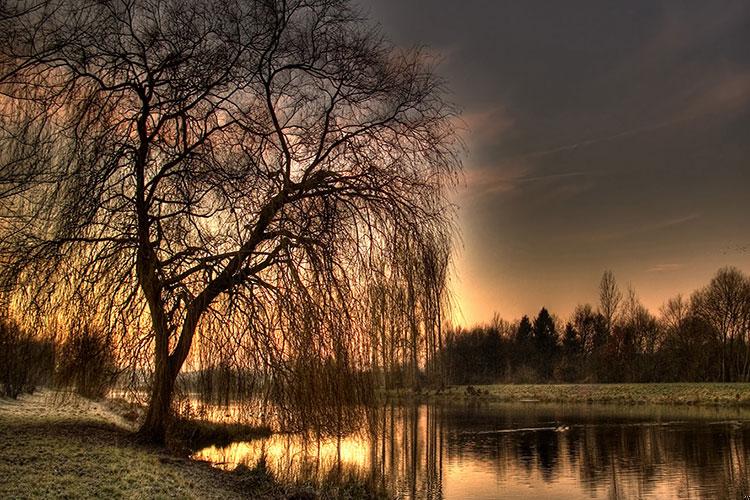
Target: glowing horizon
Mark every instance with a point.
(599, 137)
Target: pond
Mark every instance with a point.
(525, 450)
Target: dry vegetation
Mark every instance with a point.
(725, 394)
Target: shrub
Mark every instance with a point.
(87, 362)
(25, 361)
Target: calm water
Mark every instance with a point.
(527, 450)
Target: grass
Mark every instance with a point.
(724, 394)
(71, 447)
(77, 448)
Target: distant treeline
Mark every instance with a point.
(702, 338)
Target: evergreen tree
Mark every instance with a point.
(545, 342)
(524, 332)
(571, 342)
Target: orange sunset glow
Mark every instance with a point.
(616, 140)
(375, 249)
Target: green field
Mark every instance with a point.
(734, 394)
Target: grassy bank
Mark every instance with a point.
(680, 394)
(77, 448)
(196, 434)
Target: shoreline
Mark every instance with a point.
(735, 394)
(65, 446)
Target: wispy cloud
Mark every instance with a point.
(597, 140)
(498, 180)
(711, 87)
(665, 268)
(675, 221)
(658, 225)
(552, 176)
(486, 126)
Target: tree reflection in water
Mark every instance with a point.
(512, 450)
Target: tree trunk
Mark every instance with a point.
(167, 368)
(154, 427)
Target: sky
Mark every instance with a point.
(600, 135)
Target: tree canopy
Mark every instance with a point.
(243, 171)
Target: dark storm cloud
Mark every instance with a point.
(601, 135)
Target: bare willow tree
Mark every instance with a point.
(221, 166)
(23, 140)
(408, 299)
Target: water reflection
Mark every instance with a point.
(515, 451)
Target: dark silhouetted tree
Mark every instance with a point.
(545, 342)
(569, 366)
(524, 332)
(228, 173)
(571, 341)
(725, 305)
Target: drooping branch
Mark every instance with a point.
(244, 169)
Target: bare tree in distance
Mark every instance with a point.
(610, 298)
(724, 304)
(674, 312)
(226, 169)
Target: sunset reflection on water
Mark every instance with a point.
(521, 451)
